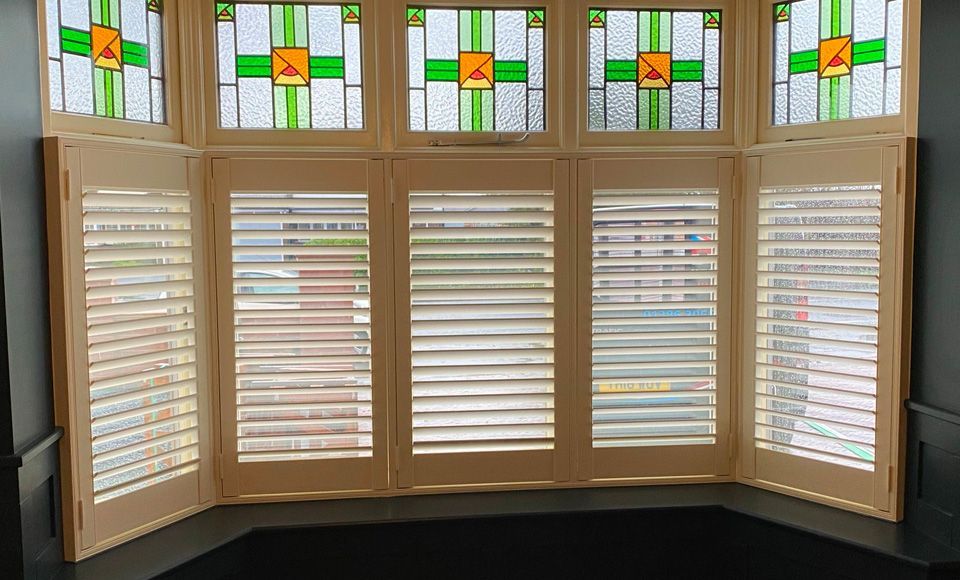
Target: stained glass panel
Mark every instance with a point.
(476, 69)
(105, 58)
(836, 59)
(652, 70)
(289, 66)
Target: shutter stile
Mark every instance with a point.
(141, 338)
(301, 293)
(817, 323)
(482, 330)
(655, 268)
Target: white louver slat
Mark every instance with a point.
(301, 309)
(141, 338)
(655, 272)
(482, 321)
(818, 283)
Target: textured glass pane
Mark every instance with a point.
(479, 67)
(655, 68)
(106, 57)
(851, 50)
(293, 66)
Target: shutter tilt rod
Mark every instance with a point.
(499, 141)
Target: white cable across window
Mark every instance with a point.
(818, 285)
(141, 338)
(654, 312)
(482, 299)
(301, 297)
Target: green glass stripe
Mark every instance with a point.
(280, 107)
(655, 31)
(443, 65)
(803, 67)
(843, 96)
(254, 71)
(289, 31)
(654, 109)
(136, 60)
(108, 93)
(846, 17)
(644, 31)
(687, 65)
(466, 31)
(442, 75)
(96, 13)
(115, 13)
(326, 73)
(118, 111)
(99, 96)
(300, 27)
(134, 48)
(622, 65)
(665, 36)
(510, 76)
(466, 110)
(824, 98)
(613, 75)
(664, 106)
(303, 107)
(80, 36)
(75, 48)
(475, 33)
(682, 76)
(486, 31)
(292, 107)
(869, 46)
(326, 61)
(477, 119)
(276, 25)
(486, 108)
(643, 109)
(825, 18)
(835, 21)
(510, 65)
(808, 55)
(869, 57)
(253, 60)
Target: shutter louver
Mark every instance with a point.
(818, 269)
(141, 339)
(655, 268)
(482, 324)
(301, 297)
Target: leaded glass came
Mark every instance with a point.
(836, 59)
(289, 66)
(653, 69)
(475, 69)
(105, 58)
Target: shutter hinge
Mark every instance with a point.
(891, 474)
(899, 183)
(220, 465)
(393, 195)
(730, 446)
(80, 514)
(66, 184)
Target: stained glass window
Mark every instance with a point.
(836, 59)
(476, 69)
(289, 66)
(653, 69)
(105, 58)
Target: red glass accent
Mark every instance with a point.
(289, 72)
(837, 61)
(653, 75)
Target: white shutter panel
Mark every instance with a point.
(129, 341)
(481, 289)
(301, 296)
(654, 317)
(482, 275)
(655, 266)
(821, 354)
(302, 325)
(141, 338)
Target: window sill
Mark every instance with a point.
(180, 543)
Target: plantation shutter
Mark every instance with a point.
(302, 339)
(481, 319)
(132, 285)
(821, 353)
(654, 288)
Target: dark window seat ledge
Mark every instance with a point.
(721, 530)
